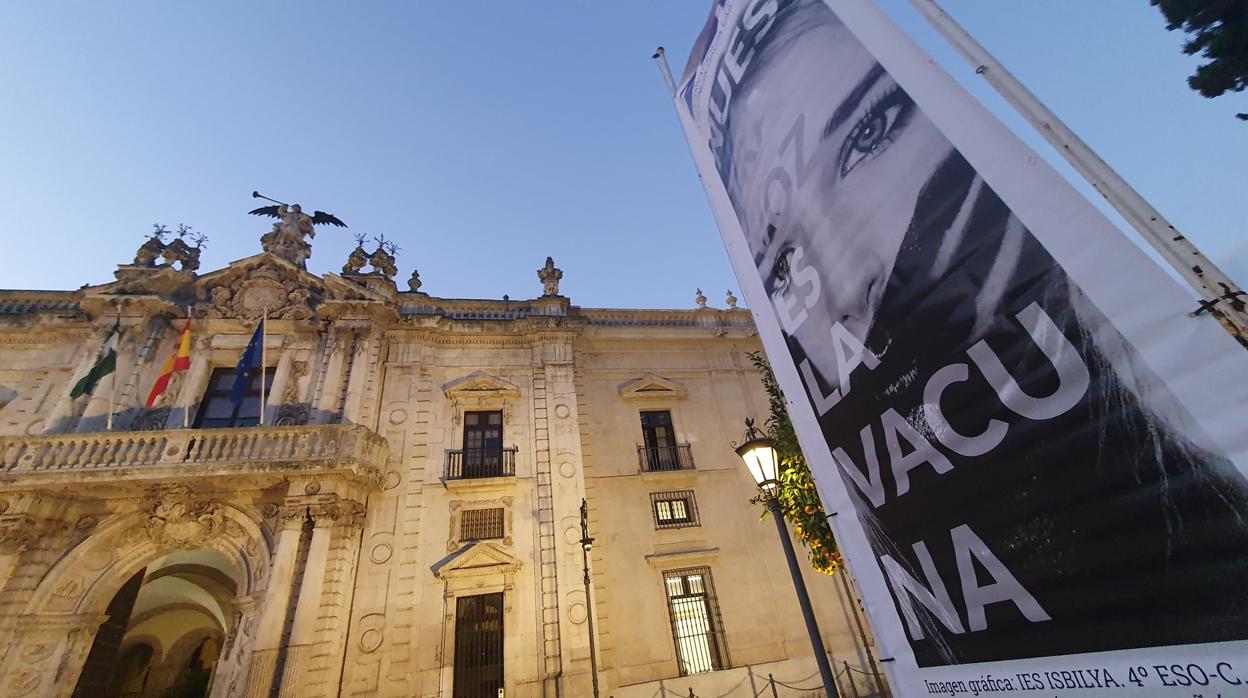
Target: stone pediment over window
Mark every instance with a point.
(651, 386)
(475, 559)
(481, 390)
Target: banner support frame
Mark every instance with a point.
(1209, 281)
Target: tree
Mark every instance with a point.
(1218, 31)
(798, 498)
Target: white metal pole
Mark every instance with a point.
(112, 399)
(264, 335)
(186, 411)
(661, 57)
(112, 383)
(1203, 275)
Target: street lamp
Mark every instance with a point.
(587, 544)
(759, 453)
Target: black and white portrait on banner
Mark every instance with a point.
(1028, 485)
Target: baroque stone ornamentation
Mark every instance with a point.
(357, 260)
(263, 288)
(550, 277)
(700, 299)
(731, 300)
(179, 519)
(289, 415)
(152, 419)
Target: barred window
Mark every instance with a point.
(696, 625)
(481, 524)
(674, 509)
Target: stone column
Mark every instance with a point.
(303, 631)
(281, 377)
(324, 399)
(272, 617)
(561, 484)
(358, 379)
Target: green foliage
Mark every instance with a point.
(1218, 31)
(798, 498)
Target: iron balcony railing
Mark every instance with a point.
(468, 463)
(663, 458)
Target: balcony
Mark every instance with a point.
(657, 459)
(192, 453)
(476, 463)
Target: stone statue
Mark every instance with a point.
(731, 300)
(286, 240)
(550, 276)
(700, 299)
(414, 284)
(356, 261)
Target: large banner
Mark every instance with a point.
(1035, 454)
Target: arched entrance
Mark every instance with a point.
(201, 566)
(183, 602)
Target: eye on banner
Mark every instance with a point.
(1037, 456)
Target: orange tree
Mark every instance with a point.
(798, 498)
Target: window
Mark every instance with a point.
(483, 454)
(696, 625)
(217, 412)
(481, 524)
(660, 450)
(674, 509)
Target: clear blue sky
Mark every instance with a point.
(483, 136)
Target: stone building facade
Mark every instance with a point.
(407, 521)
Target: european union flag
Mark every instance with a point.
(247, 365)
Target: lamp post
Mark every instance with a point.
(759, 453)
(586, 544)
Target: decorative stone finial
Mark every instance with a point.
(414, 283)
(550, 276)
(700, 299)
(358, 259)
(731, 300)
(382, 258)
(176, 252)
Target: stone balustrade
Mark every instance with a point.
(334, 446)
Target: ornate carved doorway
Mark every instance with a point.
(479, 646)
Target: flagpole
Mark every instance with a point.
(112, 383)
(264, 331)
(186, 409)
(1219, 292)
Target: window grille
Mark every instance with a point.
(674, 509)
(481, 524)
(696, 624)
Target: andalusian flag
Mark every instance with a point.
(180, 360)
(106, 364)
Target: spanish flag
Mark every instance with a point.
(179, 361)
